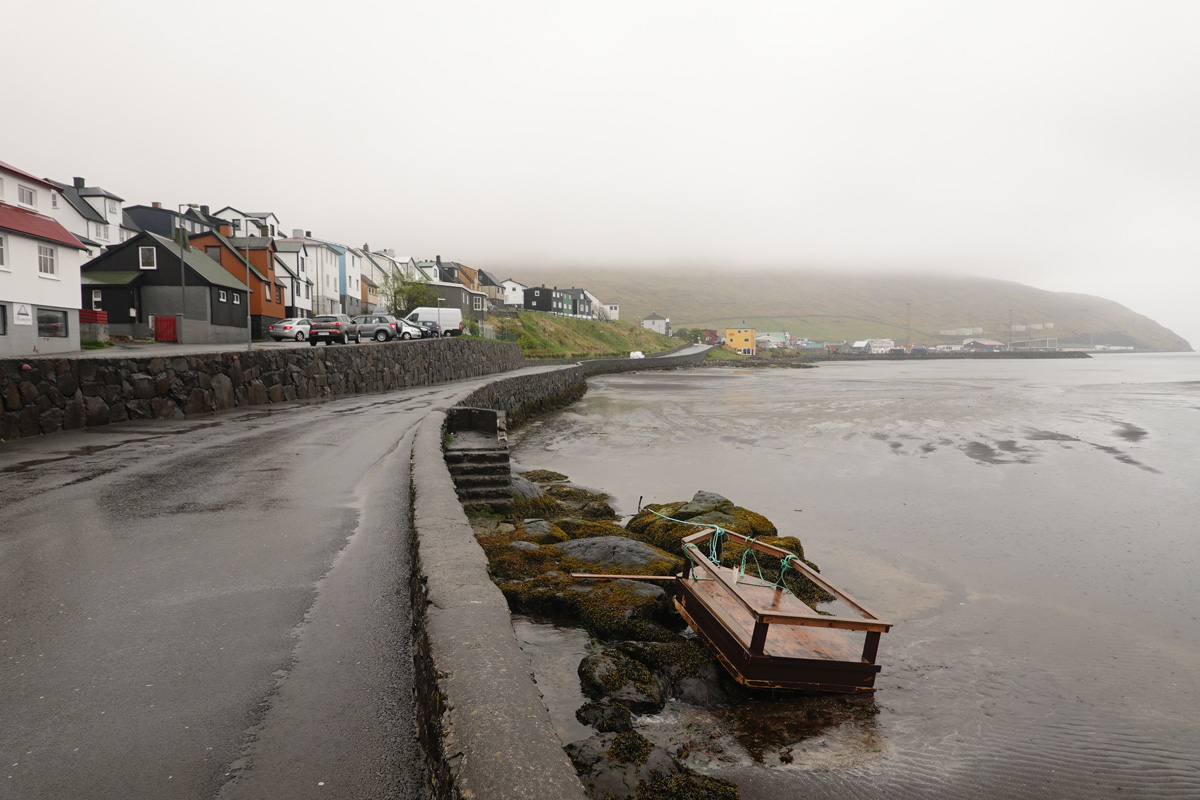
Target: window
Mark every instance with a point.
(97, 299)
(52, 323)
(308, 291)
(278, 294)
(478, 303)
(237, 299)
(112, 206)
(45, 260)
(53, 200)
(26, 196)
(3, 320)
(147, 258)
(213, 252)
(221, 295)
(3, 244)
(101, 232)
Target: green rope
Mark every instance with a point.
(785, 564)
(750, 551)
(714, 544)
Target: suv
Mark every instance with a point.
(380, 327)
(332, 328)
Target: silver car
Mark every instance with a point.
(380, 327)
(296, 328)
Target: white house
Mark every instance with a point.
(39, 269)
(293, 254)
(250, 223)
(322, 267)
(513, 293)
(656, 323)
(93, 215)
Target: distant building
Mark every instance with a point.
(982, 345)
(741, 340)
(709, 336)
(656, 323)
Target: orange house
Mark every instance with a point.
(267, 291)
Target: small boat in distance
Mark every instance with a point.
(765, 636)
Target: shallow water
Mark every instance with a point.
(1030, 527)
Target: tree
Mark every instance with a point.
(402, 294)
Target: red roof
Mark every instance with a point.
(38, 226)
(23, 174)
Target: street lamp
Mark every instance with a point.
(182, 272)
(439, 315)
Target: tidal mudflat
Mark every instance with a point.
(1030, 527)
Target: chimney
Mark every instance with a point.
(204, 210)
(308, 234)
(225, 229)
(439, 260)
(80, 183)
(297, 233)
(156, 205)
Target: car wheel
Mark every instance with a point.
(300, 337)
(357, 339)
(381, 336)
(342, 340)
(406, 335)
(312, 342)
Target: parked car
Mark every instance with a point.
(448, 320)
(429, 330)
(331, 328)
(409, 331)
(380, 327)
(290, 329)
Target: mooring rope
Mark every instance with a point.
(714, 548)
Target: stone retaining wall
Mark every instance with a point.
(47, 395)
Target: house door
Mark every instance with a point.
(164, 328)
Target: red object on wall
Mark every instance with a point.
(164, 329)
(86, 315)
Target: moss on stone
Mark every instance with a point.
(543, 476)
(630, 747)
(540, 507)
(686, 786)
(589, 529)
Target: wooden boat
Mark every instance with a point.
(765, 636)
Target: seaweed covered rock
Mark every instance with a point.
(622, 609)
(584, 502)
(768, 568)
(543, 476)
(612, 676)
(665, 525)
(613, 765)
(541, 531)
(688, 669)
(522, 487)
(588, 529)
(616, 552)
(542, 507)
(627, 766)
(605, 717)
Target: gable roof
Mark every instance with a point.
(96, 191)
(653, 316)
(77, 202)
(36, 226)
(232, 245)
(489, 277)
(20, 173)
(200, 263)
(102, 278)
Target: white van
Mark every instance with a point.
(450, 319)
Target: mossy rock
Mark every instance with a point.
(689, 669)
(621, 609)
(612, 676)
(668, 534)
(575, 494)
(687, 786)
(605, 717)
(541, 531)
(588, 529)
(604, 772)
(543, 476)
(544, 507)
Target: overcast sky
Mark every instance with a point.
(1052, 143)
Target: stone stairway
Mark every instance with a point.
(476, 453)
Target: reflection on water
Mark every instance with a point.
(1028, 526)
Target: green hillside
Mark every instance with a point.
(549, 336)
(844, 307)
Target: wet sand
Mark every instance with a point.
(1030, 528)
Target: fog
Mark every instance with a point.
(1051, 143)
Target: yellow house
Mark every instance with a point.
(740, 340)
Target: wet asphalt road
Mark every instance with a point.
(215, 607)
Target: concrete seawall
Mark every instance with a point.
(484, 726)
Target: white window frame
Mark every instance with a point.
(22, 190)
(153, 257)
(97, 299)
(478, 303)
(54, 199)
(237, 299)
(221, 295)
(3, 248)
(112, 206)
(46, 261)
(102, 231)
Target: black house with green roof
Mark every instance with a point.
(150, 276)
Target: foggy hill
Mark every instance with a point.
(839, 307)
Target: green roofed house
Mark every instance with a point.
(144, 282)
